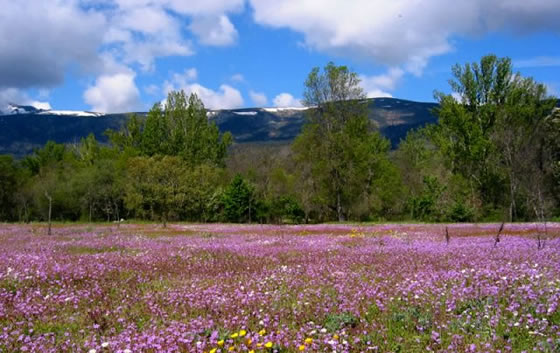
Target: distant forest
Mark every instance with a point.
(493, 155)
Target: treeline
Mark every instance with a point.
(494, 155)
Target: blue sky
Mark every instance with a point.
(124, 55)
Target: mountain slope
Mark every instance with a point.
(27, 129)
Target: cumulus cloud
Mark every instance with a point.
(284, 100)
(115, 93)
(203, 7)
(17, 96)
(226, 97)
(214, 30)
(142, 33)
(404, 33)
(144, 30)
(40, 39)
(379, 85)
(259, 99)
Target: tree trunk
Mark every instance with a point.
(250, 198)
(339, 207)
(117, 215)
(49, 232)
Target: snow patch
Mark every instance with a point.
(276, 110)
(245, 113)
(70, 113)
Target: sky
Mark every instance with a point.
(125, 55)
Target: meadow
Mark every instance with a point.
(210, 288)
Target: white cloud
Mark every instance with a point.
(39, 40)
(143, 30)
(539, 61)
(259, 99)
(284, 100)
(203, 7)
(19, 97)
(377, 86)
(226, 97)
(41, 105)
(115, 93)
(403, 33)
(214, 30)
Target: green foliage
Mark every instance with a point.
(335, 322)
(238, 201)
(426, 206)
(155, 186)
(178, 128)
(493, 135)
(9, 180)
(494, 154)
(337, 151)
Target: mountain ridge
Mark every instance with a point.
(30, 128)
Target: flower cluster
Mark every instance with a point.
(251, 288)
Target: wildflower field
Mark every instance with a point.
(251, 288)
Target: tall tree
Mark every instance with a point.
(338, 142)
(482, 133)
(8, 187)
(180, 127)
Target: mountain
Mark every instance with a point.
(24, 128)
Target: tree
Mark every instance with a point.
(482, 133)
(181, 128)
(156, 186)
(8, 187)
(238, 200)
(338, 147)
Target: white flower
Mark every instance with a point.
(127, 351)
(105, 344)
(323, 330)
(92, 351)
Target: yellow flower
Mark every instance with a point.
(213, 350)
(268, 344)
(301, 348)
(252, 351)
(309, 340)
(242, 333)
(220, 343)
(249, 341)
(234, 335)
(231, 348)
(259, 345)
(335, 336)
(262, 332)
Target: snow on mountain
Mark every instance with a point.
(70, 113)
(15, 109)
(283, 109)
(11, 108)
(245, 113)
